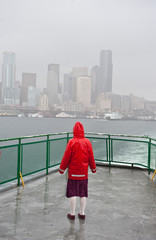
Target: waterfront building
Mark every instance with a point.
(138, 103)
(150, 106)
(106, 68)
(33, 96)
(126, 105)
(116, 102)
(103, 102)
(8, 77)
(53, 83)
(28, 80)
(12, 96)
(44, 102)
(83, 90)
(73, 107)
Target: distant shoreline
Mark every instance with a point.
(80, 117)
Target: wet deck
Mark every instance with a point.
(121, 206)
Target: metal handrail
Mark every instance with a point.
(108, 138)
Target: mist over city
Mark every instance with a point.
(75, 58)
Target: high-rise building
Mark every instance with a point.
(106, 69)
(80, 71)
(68, 85)
(95, 83)
(8, 77)
(53, 83)
(83, 93)
(28, 80)
(8, 70)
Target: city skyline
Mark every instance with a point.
(85, 70)
(72, 33)
(84, 92)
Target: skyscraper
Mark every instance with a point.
(95, 83)
(8, 77)
(106, 68)
(28, 79)
(8, 70)
(68, 86)
(53, 84)
(81, 71)
(83, 90)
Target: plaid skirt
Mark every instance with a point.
(78, 188)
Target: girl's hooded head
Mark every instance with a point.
(78, 130)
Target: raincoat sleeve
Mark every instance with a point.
(66, 158)
(92, 160)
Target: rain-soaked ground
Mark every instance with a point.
(121, 206)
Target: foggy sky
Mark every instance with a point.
(72, 33)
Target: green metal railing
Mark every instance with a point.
(33, 154)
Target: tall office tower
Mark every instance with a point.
(68, 81)
(81, 71)
(28, 80)
(95, 83)
(8, 76)
(106, 68)
(8, 70)
(53, 83)
(83, 90)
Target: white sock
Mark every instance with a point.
(82, 205)
(72, 205)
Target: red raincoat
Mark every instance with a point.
(78, 155)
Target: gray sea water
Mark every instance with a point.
(19, 127)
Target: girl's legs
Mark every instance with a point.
(82, 205)
(72, 205)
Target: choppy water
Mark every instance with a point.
(17, 127)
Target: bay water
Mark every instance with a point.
(18, 127)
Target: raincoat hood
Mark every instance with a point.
(78, 130)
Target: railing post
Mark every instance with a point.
(19, 161)
(149, 156)
(109, 148)
(47, 155)
(67, 137)
(111, 156)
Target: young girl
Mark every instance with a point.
(78, 155)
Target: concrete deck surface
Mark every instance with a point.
(121, 206)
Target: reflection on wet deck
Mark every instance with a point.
(121, 205)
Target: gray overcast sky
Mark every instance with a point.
(72, 33)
